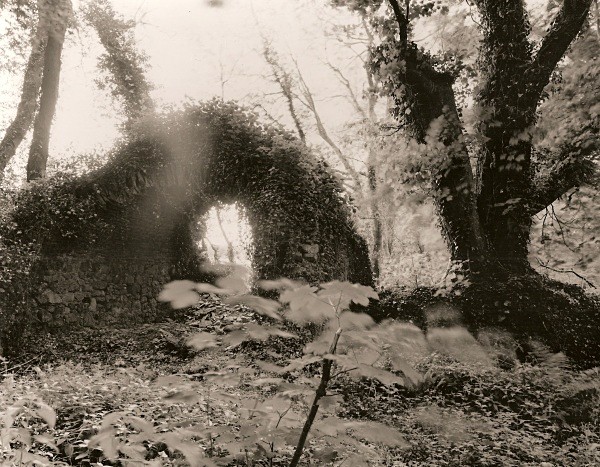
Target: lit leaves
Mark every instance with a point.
(252, 332)
(185, 293)
(341, 294)
(307, 304)
(181, 294)
(260, 305)
(378, 433)
(236, 335)
(457, 343)
(372, 432)
(357, 368)
(304, 306)
(34, 408)
(202, 340)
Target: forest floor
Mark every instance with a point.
(529, 415)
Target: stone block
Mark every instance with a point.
(54, 298)
(68, 297)
(44, 297)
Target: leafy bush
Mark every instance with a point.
(360, 393)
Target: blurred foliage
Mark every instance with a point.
(397, 394)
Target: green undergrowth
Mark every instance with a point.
(165, 400)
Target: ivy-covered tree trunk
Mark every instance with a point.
(59, 12)
(504, 161)
(123, 63)
(486, 217)
(486, 212)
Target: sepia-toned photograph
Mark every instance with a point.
(300, 233)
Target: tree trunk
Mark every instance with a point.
(434, 116)
(38, 154)
(377, 227)
(32, 81)
(504, 164)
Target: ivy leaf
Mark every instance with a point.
(180, 294)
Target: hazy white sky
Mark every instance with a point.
(190, 46)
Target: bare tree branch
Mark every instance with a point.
(285, 81)
(565, 271)
(564, 30)
(574, 168)
(351, 95)
(309, 102)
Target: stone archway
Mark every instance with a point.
(140, 207)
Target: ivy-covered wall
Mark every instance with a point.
(110, 239)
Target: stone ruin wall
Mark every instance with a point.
(94, 288)
(87, 289)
